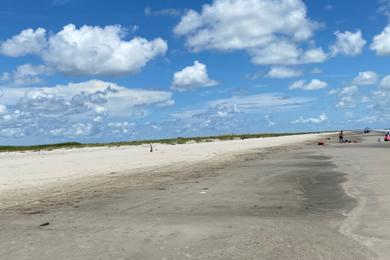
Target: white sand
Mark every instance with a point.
(18, 170)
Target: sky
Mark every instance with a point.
(103, 71)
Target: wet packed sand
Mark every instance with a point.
(294, 202)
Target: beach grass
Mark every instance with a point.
(171, 141)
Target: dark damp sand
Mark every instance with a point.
(277, 203)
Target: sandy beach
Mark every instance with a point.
(270, 198)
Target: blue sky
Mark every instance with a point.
(99, 71)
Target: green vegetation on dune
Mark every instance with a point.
(173, 141)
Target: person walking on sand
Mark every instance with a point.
(341, 136)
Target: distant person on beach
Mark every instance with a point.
(341, 136)
(387, 137)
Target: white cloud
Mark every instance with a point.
(385, 83)
(122, 127)
(313, 120)
(75, 109)
(316, 55)
(74, 130)
(283, 72)
(246, 19)
(29, 41)
(314, 84)
(370, 119)
(3, 109)
(237, 113)
(282, 52)
(89, 50)
(381, 42)
(349, 90)
(380, 101)
(240, 25)
(287, 53)
(259, 102)
(365, 78)
(349, 96)
(191, 77)
(168, 12)
(384, 7)
(28, 74)
(348, 43)
(12, 132)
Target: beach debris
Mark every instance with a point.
(151, 148)
(44, 224)
(33, 212)
(321, 143)
(202, 192)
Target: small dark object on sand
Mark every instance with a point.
(44, 224)
(321, 143)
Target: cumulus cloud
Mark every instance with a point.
(349, 96)
(26, 74)
(239, 25)
(381, 42)
(377, 100)
(89, 50)
(314, 84)
(282, 52)
(207, 30)
(365, 78)
(316, 55)
(191, 77)
(348, 43)
(287, 53)
(28, 41)
(312, 120)
(380, 98)
(75, 130)
(385, 83)
(283, 72)
(75, 109)
(124, 127)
